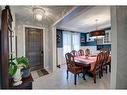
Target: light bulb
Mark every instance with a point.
(38, 17)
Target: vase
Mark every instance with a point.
(25, 72)
(17, 77)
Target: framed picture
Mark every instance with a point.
(88, 38)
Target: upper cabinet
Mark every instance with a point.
(106, 39)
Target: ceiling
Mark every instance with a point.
(83, 19)
(25, 13)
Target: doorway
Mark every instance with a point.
(34, 47)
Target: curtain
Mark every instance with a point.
(71, 41)
(66, 42)
(76, 41)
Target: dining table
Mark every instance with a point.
(87, 62)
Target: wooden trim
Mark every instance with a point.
(4, 49)
(6, 20)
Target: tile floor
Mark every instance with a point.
(57, 80)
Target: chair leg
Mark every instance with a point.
(100, 74)
(94, 76)
(109, 67)
(75, 77)
(84, 73)
(67, 74)
(106, 69)
(78, 75)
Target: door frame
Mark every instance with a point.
(44, 44)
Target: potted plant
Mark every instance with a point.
(15, 71)
(26, 70)
(16, 65)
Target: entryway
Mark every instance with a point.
(34, 47)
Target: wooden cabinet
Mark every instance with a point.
(26, 83)
(106, 39)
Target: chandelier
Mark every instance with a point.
(38, 13)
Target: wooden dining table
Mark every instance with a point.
(87, 62)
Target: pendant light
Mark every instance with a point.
(97, 34)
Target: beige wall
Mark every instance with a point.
(20, 32)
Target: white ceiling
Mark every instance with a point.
(25, 13)
(83, 19)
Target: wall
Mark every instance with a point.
(95, 45)
(20, 32)
(59, 44)
(90, 45)
(119, 47)
(0, 57)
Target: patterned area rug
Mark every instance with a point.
(42, 72)
(39, 73)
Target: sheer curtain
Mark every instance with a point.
(71, 41)
(66, 42)
(75, 41)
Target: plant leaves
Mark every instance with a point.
(23, 61)
(12, 69)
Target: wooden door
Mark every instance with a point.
(34, 47)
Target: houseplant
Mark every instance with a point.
(15, 71)
(15, 67)
(26, 69)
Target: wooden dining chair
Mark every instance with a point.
(106, 50)
(87, 52)
(74, 53)
(96, 67)
(81, 52)
(72, 67)
(106, 63)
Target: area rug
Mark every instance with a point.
(42, 72)
(39, 73)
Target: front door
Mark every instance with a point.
(34, 47)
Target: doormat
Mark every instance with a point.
(42, 72)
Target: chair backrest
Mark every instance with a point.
(106, 57)
(104, 50)
(74, 53)
(81, 52)
(69, 60)
(87, 52)
(99, 61)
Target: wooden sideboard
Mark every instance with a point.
(26, 83)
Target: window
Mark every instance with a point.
(71, 41)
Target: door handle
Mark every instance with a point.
(41, 52)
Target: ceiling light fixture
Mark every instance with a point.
(97, 34)
(38, 13)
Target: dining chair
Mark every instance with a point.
(104, 50)
(87, 52)
(74, 53)
(72, 67)
(81, 52)
(106, 63)
(96, 67)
